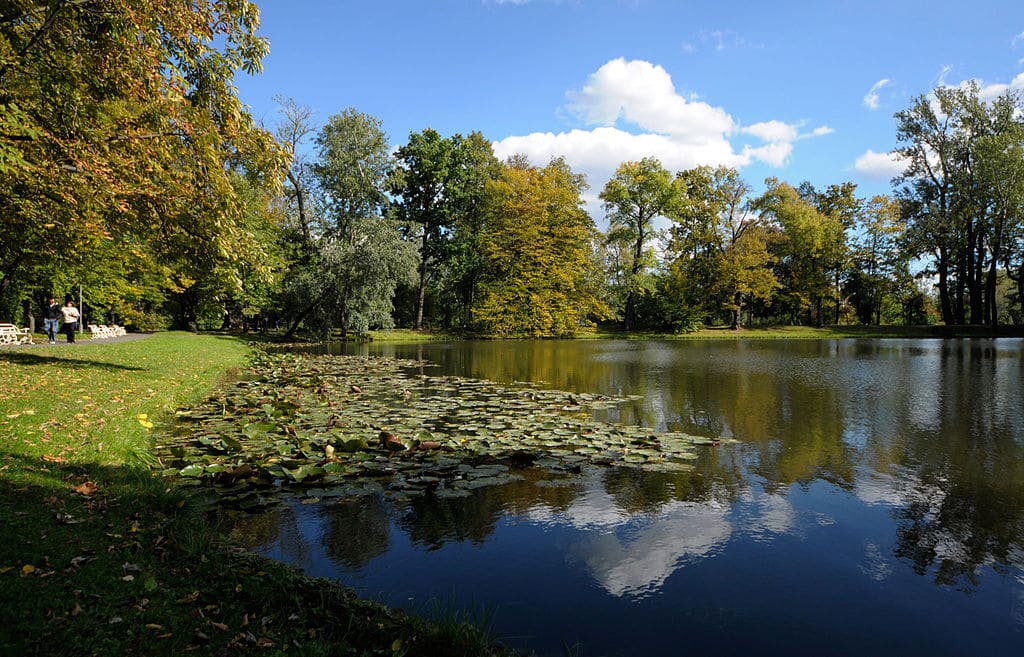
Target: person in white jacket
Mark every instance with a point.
(71, 317)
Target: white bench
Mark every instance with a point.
(104, 331)
(11, 334)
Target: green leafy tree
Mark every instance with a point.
(961, 194)
(423, 181)
(536, 242)
(358, 257)
(807, 250)
(877, 259)
(721, 249)
(476, 166)
(637, 195)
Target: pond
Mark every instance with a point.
(873, 504)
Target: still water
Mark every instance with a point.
(874, 505)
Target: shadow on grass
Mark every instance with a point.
(117, 560)
(33, 359)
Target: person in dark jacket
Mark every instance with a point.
(52, 319)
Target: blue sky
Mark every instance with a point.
(797, 90)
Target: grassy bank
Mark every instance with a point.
(98, 556)
(724, 333)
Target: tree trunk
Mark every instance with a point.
(297, 319)
(737, 312)
(629, 315)
(945, 303)
(421, 300)
(992, 302)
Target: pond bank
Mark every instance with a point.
(99, 556)
(725, 333)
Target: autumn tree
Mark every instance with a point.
(536, 243)
(636, 196)
(120, 128)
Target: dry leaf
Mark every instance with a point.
(88, 488)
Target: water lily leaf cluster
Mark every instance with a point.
(327, 426)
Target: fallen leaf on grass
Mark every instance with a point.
(154, 626)
(188, 599)
(27, 569)
(54, 459)
(87, 488)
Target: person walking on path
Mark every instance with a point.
(52, 319)
(71, 316)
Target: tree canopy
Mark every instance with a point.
(120, 132)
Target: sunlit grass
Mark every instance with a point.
(82, 402)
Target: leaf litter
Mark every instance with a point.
(327, 426)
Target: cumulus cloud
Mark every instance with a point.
(871, 98)
(879, 166)
(633, 110)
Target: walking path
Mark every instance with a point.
(84, 339)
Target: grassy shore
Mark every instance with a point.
(100, 556)
(725, 333)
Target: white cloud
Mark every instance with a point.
(879, 166)
(638, 112)
(1018, 39)
(871, 98)
(643, 94)
(989, 91)
(773, 131)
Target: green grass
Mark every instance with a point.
(100, 556)
(812, 333)
(410, 335)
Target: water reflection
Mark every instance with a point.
(876, 480)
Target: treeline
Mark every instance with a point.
(128, 166)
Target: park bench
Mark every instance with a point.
(104, 331)
(11, 334)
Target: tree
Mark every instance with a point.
(536, 244)
(359, 257)
(842, 204)
(877, 259)
(638, 194)
(807, 249)
(295, 126)
(120, 127)
(423, 180)
(720, 247)
(961, 194)
(476, 166)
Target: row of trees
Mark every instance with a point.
(129, 166)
